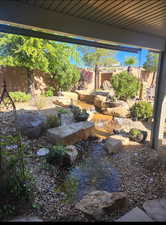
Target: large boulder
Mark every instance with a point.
(116, 111)
(86, 96)
(121, 109)
(31, 124)
(72, 133)
(71, 95)
(115, 143)
(98, 203)
(66, 118)
(128, 124)
(100, 101)
(63, 101)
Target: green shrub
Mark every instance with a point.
(49, 92)
(137, 135)
(79, 114)
(52, 121)
(56, 155)
(19, 96)
(125, 85)
(134, 132)
(142, 110)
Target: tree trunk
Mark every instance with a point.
(96, 77)
(30, 78)
(129, 69)
(154, 74)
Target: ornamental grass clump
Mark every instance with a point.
(52, 121)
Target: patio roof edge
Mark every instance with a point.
(27, 15)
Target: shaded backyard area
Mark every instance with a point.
(82, 111)
(134, 169)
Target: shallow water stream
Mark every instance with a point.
(93, 173)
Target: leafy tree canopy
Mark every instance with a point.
(39, 54)
(130, 60)
(97, 56)
(151, 63)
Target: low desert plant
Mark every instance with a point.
(135, 132)
(19, 96)
(52, 121)
(57, 155)
(137, 135)
(125, 85)
(79, 114)
(142, 110)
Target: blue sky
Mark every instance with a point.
(141, 57)
(121, 55)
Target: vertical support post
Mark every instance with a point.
(159, 104)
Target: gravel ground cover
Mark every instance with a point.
(140, 182)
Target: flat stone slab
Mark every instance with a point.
(72, 133)
(26, 219)
(156, 209)
(135, 215)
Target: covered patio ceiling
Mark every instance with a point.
(131, 22)
(147, 16)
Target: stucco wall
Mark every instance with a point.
(16, 79)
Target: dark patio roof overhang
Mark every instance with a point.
(130, 22)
